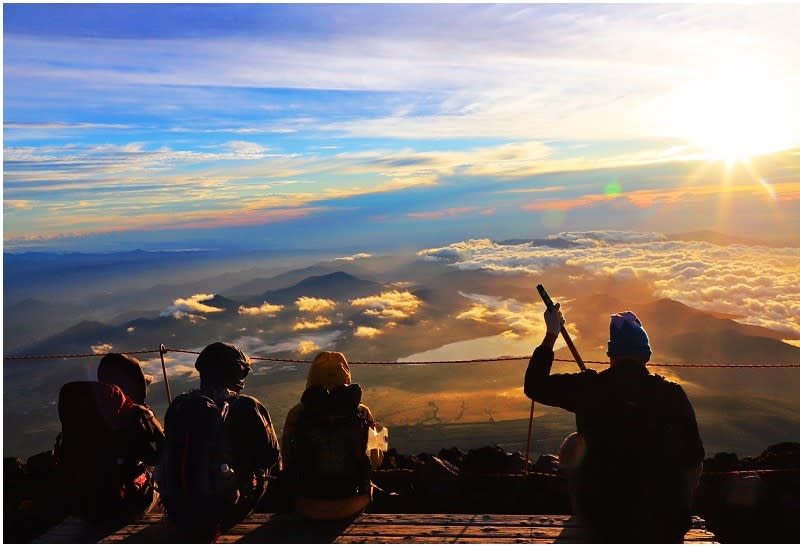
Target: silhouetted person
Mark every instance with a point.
(637, 455)
(324, 443)
(221, 448)
(109, 442)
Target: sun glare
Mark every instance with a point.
(733, 113)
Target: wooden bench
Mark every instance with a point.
(373, 528)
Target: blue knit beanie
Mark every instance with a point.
(628, 337)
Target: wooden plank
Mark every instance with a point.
(388, 528)
(470, 540)
(459, 530)
(497, 520)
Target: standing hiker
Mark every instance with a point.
(637, 455)
(109, 442)
(221, 448)
(325, 443)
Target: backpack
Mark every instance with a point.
(99, 468)
(331, 444)
(194, 479)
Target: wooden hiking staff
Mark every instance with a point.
(549, 303)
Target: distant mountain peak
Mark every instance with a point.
(335, 285)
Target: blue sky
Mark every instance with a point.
(347, 126)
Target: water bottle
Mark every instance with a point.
(378, 439)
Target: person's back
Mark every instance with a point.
(325, 443)
(108, 444)
(637, 436)
(220, 450)
(639, 444)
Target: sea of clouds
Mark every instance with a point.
(759, 285)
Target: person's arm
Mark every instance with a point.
(288, 433)
(253, 439)
(561, 390)
(692, 450)
(149, 435)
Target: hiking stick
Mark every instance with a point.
(549, 303)
(162, 350)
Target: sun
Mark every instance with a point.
(735, 112)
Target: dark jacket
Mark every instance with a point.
(254, 443)
(641, 439)
(105, 451)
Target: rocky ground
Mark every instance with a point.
(740, 501)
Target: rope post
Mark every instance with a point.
(162, 350)
(528, 444)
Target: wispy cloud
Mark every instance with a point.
(351, 258)
(111, 128)
(521, 318)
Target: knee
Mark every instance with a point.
(571, 452)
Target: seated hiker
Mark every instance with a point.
(109, 442)
(221, 448)
(324, 443)
(636, 458)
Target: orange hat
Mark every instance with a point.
(329, 369)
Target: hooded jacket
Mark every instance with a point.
(329, 369)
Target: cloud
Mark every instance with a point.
(461, 251)
(354, 257)
(246, 150)
(304, 347)
(451, 212)
(317, 323)
(759, 285)
(325, 339)
(314, 305)
(522, 318)
(24, 204)
(389, 304)
(645, 199)
(177, 364)
(101, 348)
(266, 309)
(367, 332)
(188, 308)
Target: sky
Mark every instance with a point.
(357, 127)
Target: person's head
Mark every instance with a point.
(628, 340)
(222, 365)
(329, 369)
(126, 372)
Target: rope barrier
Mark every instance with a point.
(164, 350)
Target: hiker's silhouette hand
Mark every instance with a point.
(553, 319)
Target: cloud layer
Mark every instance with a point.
(758, 285)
